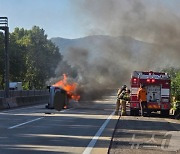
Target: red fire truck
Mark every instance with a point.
(158, 91)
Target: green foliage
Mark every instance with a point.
(175, 81)
(33, 58)
(176, 86)
(17, 54)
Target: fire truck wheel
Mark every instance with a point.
(165, 113)
(134, 112)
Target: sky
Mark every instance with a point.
(54, 16)
(60, 18)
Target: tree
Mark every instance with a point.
(17, 54)
(34, 58)
(42, 58)
(176, 86)
(175, 81)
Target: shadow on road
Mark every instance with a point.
(153, 134)
(69, 131)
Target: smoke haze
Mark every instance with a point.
(143, 37)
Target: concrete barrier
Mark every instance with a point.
(23, 101)
(7, 103)
(3, 104)
(11, 102)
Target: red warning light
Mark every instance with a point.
(148, 80)
(134, 79)
(153, 80)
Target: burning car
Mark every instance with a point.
(61, 92)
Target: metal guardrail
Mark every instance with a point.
(23, 93)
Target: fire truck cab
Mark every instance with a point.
(157, 85)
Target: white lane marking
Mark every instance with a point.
(25, 123)
(97, 135)
(32, 120)
(65, 110)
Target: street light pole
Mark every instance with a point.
(7, 62)
(4, 26)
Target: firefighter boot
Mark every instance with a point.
(116, 113)
(117, 106)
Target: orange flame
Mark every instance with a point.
(69, 87)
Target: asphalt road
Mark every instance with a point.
(146, 135)
(88, 128)
(85, 129)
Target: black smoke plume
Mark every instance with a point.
(144, 36)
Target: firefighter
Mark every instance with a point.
(142, 97)
(120, 95)
(124, 100)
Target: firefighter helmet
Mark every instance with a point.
(124, 87)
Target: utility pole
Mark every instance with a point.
(4, 26)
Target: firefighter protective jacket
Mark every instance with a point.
(142, 94)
